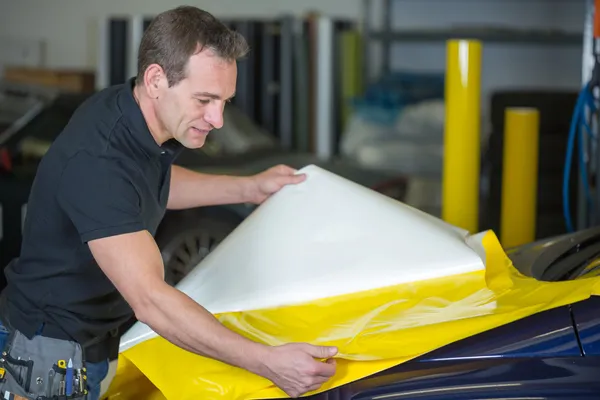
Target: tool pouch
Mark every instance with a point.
(36, 369)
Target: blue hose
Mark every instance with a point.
(584, 99)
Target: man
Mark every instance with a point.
(88, 256)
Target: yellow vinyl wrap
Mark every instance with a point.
(373, 330)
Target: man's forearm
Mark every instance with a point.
(195, 329)
(191, 189)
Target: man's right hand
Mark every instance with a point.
(297, 369)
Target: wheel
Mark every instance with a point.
(186, 237)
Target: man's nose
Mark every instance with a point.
(214, 116)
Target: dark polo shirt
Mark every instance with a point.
(104, 175)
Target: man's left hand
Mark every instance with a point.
(271, 181)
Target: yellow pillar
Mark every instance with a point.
(519, 176)
(460, 186)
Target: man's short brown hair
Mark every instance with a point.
(175, 35)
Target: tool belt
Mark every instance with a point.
(42, 368)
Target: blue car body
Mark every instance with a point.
(550, 355)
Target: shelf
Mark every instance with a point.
(490, 35)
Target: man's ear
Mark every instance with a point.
(155, 81)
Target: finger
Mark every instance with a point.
(313, 383)
(325, 369)
(298, 178)
(330, 371)
(291, 180)
(322, 352)
(314, 387)
(285, 169)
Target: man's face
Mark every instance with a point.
(194, 106)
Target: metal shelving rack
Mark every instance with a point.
(387, 36)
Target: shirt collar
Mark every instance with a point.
(139, 128)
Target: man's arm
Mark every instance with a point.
(103, 204)
(190, 189)
(133, 263)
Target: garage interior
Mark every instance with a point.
(471, 111)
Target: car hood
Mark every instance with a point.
(309, 243)
(332, 262)
(552, 333)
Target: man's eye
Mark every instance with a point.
(204, 101)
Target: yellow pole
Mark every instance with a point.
(519, 176)
(460, 185)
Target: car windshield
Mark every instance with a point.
(567, 257)
(588, 270)
(580, 262)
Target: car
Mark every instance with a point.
(31, 116)
(551, 354)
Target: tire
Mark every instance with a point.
(186, 237)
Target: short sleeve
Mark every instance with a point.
(99, 197)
